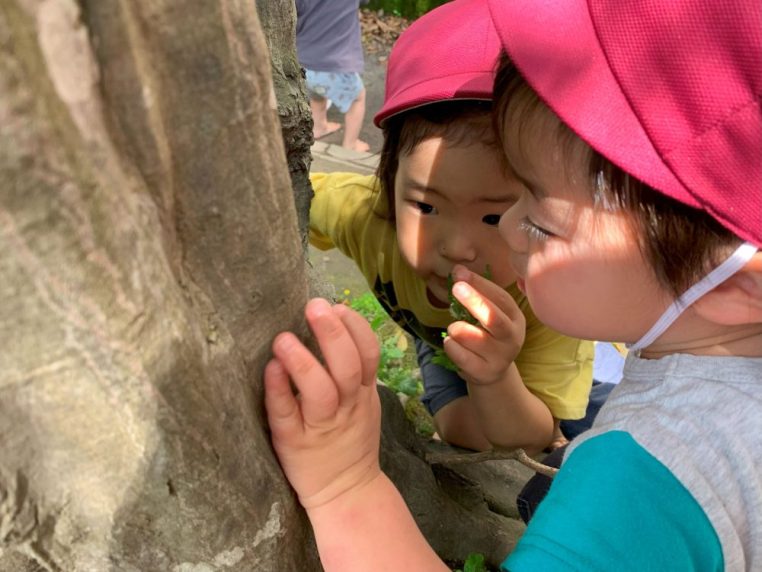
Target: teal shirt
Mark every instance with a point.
(613, 506)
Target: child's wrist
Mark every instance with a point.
(341, 490)
(503, 379)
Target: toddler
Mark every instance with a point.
(637, 130)
(431, 211)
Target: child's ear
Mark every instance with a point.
(736, 301)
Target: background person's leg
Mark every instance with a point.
(318, 85)
(353, 119)
(320, 124)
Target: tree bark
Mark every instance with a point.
(279, 26)
(148, 253)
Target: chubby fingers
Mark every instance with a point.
(365, 341)
(318, 395)
(478, 354)
(343, 341)
(491, 305)
(351, 355)
(283, 413)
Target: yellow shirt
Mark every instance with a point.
(348, 213)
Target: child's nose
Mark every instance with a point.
(458, 247)
(510, 230)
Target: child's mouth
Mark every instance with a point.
(520, 284)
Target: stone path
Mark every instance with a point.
(329, 157)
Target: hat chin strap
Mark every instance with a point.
(733, 264)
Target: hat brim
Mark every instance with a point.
(471, 86)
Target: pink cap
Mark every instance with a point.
(449, 53)
(670, 91)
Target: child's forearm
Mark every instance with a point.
(371, 529)
(510, 415)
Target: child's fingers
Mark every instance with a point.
(283, 413)
(489, 290)
(497, 351)
(365, 340)
(477, 341)
(318, 394)
(342, 357)
(475, 366)
(490, 316)
(467, 361)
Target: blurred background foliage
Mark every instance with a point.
(405, 8)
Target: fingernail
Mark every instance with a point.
(284, 342)
(318, 307)
(461, 289)
(460, 273)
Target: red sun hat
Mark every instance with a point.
(449, 53)
(670, 91)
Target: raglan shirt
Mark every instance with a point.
(668, 478)
(348, 213)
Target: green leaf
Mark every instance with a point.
(441, 359)
(475, 563)
(458, 310)
(376, 323)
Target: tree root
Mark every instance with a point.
(494, 455)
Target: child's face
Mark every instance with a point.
(448, 202)
(578, 263)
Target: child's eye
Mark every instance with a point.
(491, 219)
(533, 230)
(425, 208)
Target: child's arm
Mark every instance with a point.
(508, 413)
(327, 441)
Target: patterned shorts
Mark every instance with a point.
(341, 88)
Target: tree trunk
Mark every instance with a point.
(148, 254)
(279, 26)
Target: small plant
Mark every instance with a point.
(460, 313)
(474, 563)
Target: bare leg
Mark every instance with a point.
(353, 119)
(320, 124)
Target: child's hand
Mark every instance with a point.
(326, 437)
(484, 353)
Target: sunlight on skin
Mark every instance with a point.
(448, 202)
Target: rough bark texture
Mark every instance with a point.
(148, 253)
(279, 25)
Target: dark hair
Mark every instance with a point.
(460, 122)
(680, 243)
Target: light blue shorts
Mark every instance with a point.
(341, 88)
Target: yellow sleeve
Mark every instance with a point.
(556, 368)
(340, 209)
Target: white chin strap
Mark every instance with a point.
(733, 264)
